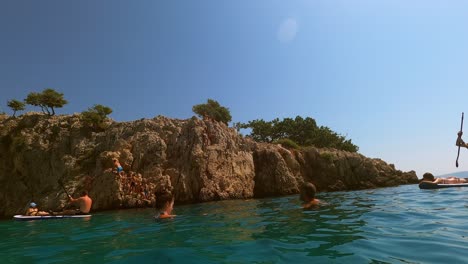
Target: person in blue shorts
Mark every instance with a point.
(117, 166)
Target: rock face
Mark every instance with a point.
(200, 160)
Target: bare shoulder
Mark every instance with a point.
(165, 216)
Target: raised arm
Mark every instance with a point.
(460, 141)
(71, 199)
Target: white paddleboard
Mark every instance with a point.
(44, 217)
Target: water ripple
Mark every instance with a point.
(390, 225)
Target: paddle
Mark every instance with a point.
(66, 192)
(461, 128)
(63, 187)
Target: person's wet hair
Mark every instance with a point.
(308, 191)
(428, 176)
(162, 198)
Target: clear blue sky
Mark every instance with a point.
(389, 74)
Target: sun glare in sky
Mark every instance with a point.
(288, 29)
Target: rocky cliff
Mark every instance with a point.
(200, 160)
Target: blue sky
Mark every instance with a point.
(389, 74)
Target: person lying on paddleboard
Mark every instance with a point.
(84, 202)
(428, 177)
(164, 204)
(33, 210)
(307, 195)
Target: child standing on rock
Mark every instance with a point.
(118, 168)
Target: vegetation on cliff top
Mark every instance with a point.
(291, 133)
(303, 131)
(212, 109)
(16, 106)
(96, 116)
(48, 100)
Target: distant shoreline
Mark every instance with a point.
(460, 174)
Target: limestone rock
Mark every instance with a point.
(198, 160)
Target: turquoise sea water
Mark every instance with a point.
(391, 225)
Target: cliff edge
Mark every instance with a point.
(200, 160)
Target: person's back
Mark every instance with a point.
(428, 177)
(450, 180)
(84, 202)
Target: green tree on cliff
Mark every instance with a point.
(326, 138)
(96, 116)
(212, 109)
(303, 131)
(262, 131)
(48, 100)
(299, 130)
(16, 105)
(34, 99)
(53, 99)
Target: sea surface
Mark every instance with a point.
(391, 225)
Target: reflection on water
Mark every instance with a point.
(391, 225)
(315, 232)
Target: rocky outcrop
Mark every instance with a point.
(200, 160)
